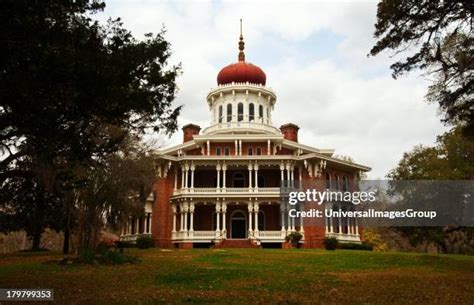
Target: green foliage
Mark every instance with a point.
(355, 246)
(116, 258)
(331, 243)
(294, 238)
(438, 36)
(145, 242)
(71, 91)
(374, 240)
(87, 256)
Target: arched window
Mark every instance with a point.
(218, 151)
(345, 184)
(227, 151)
(259, 151)
(250, 151)
(260, 113)
(338, 183)
(229, 112)
(251, 112)
(268, 114)
(238, 180)
(221, 116)
(328, 181)
(240, 112)
(261, 220)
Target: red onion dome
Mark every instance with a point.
(241, 72)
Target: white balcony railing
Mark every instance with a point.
(271, 235)
(228, 190)
(344, 237)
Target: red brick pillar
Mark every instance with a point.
(314, 227)
(162, 213)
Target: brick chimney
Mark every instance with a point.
(290, 131)
(189, 131)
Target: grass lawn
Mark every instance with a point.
(235, 276)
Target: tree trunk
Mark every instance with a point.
(67, 227)
(36, 238)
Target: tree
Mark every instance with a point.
(452, 158)
(117, 187)
(440, 35)
(71, 90)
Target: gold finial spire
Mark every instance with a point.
(241, 44)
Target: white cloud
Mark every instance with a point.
(346, 101)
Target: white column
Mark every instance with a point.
(236, 149)
(255, 167)
(224, 169)
(340, 224)
(224, 227)
(268, 147)
(208, 148)
(250, 176)
(301, 222)
(181, 215)
(331, 225)
(186, 209)
(173, 207)
(289, 220)
(240, 147)
(191, 216)
(282, 172)
(250, 207)
(186, 176)
(356, 226)
(282, 210)
(255, 212)
(218, 226)
(182, 176)
(175, 178)
(192, 175)
(218, 168)
(137, 223)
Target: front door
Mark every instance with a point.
(238, 224)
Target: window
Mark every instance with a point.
(251, 112)
(218, 151)
(240, 112)
(229, 112)
(268, 114)
(227, 151)
(345, 184)
(328, 181)
(220, 114)
(261, 221)
(250, 151)
(338, 183)
(260, 113)
(238, 180)
(259, 151)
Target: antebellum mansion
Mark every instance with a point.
(221, 186)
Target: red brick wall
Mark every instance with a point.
(162, 214)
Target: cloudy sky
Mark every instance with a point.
(315, 58)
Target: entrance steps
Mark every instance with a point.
(236, 243)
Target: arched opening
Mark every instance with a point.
(240, 112)
(345, 184)
(238, 225)
(238, 180)
(221, 115)
(250, 151)
(251, 112)
(259, 151)
(260, 113)
(229, 112)
(338, 183)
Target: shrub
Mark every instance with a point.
(294, 238)
(116, 258)
(355, 246)
(87, 256)
(374, 239)
(330, 243)
(145, 242)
